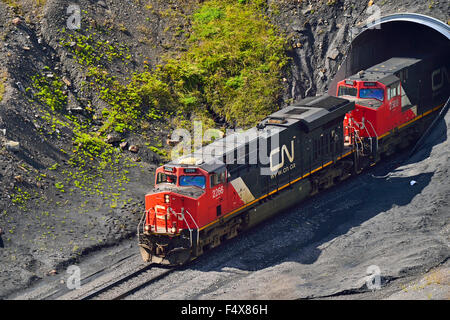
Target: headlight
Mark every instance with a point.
(147, 228)
(166, 198)
(174, 229)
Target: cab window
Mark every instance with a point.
(347, 91)
(217, 178)
(196, 181)
(393, 91)
(166, 178)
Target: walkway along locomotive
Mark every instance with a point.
(222, 189)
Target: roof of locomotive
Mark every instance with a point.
(384, 72)
(190, 191)
(308, 113)
(312, 112)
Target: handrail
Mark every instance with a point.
(374, 131)
(196, 226)
(368, 133)
(139, 225)
(358, 138)
(192, 219)
(170, 210)
(376, 135)
(187, 224)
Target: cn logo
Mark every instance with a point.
(437, 78)
(284, 150)
(362, 125)
(158, 208)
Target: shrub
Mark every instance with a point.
(2, 84)
(234, 65)
(49, 91)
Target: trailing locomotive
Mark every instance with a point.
(224, 188)
(390, 98)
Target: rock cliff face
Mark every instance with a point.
(60, 197)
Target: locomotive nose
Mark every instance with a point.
(163, 210)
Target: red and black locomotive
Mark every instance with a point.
(222, 189)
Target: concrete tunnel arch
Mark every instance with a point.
(404, 34)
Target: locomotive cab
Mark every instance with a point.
(369, 98)
(170, 200)
(384, 96)
(183, 199)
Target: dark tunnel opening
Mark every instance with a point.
(391, 39)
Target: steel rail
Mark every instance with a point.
(119, 289)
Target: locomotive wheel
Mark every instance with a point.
(178, 256)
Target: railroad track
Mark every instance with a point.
(129, 284)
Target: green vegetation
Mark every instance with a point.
(144, 98)
(49, 91)
(17, 5)
(59, 186)
(234, 64)
(92, 160)
(3, 78)
(2, 88)
(11, 3)
(232, 69)
(89, 51)
(158, 150)
(20, 198)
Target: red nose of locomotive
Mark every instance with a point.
(171, 226)
(164, 213)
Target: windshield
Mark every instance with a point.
(347, 91)
(166, 178)
(196, 181)
(372, 94)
